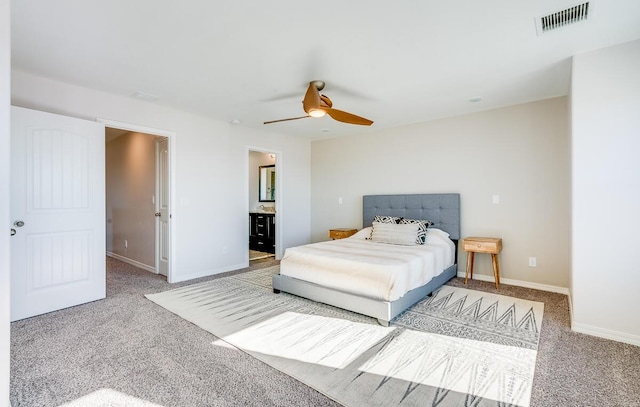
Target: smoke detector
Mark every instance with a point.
(563, 18)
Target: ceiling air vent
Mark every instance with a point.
(562, 18)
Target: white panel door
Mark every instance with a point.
(57, 211)
(162, 207)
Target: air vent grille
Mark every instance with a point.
(564, 17)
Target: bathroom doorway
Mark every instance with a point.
(263, 195)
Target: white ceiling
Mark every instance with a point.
(394, 62)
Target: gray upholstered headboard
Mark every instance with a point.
(442, 209)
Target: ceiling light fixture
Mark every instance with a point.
(475, 99)
(317, 112)
(235, 121)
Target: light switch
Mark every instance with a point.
(495, 199)
(340, 201)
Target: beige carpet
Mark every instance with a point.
(458, 347)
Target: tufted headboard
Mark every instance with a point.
(442, 209)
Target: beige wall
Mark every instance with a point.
(520, 153)
(130, 179)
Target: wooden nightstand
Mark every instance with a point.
(341, 233)
(475, 245)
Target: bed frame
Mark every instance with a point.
(442, 209)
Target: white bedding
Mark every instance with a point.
(377, 270)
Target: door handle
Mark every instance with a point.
(18, 223)
(157, 214)
(13, 232)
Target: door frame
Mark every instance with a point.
(156, 201)
(279, 189)
(170, 135)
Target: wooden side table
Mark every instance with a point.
(341, 233)
(474, 245)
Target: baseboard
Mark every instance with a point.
(133, 262)
(606, 333)
(570, 307)
(207, 273)
(520, 283)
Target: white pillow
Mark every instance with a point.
(437, 232)
(394, 233)
(362, 234)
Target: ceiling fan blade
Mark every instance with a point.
(326, 101)
(311, 98)
(286, 120)
(346, 117)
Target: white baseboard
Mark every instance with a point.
(606, 333)
(570, 307)
(207, 273)
(133, 262)
(520, 283)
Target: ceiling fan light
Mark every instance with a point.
(317, 112)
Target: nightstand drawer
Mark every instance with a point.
(482, 244)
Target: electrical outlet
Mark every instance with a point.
(532, 262)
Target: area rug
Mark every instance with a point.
(457, 347)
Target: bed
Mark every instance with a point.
(329, 272)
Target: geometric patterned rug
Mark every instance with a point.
(457, 347)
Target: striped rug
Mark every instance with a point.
(458, 347)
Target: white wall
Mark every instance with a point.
(5, 69)
(131, 185)
(606, 192)
(209, 217)
(520, 153)
(256, 159)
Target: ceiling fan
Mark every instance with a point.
(317, 105)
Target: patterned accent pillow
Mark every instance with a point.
(386, 219)
(422, 228)
(393, 233)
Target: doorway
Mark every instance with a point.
(138, 197)
(263, 199)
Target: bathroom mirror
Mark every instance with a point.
(267, 183)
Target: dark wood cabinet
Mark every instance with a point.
(262, 232)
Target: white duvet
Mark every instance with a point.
(377, 270)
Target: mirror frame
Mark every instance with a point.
(263, 190)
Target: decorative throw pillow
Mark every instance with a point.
(393, 233)
(422, 228)
(385, 219)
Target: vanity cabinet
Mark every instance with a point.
(262, 232)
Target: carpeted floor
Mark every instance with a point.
(456, 347)
(133, 348)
